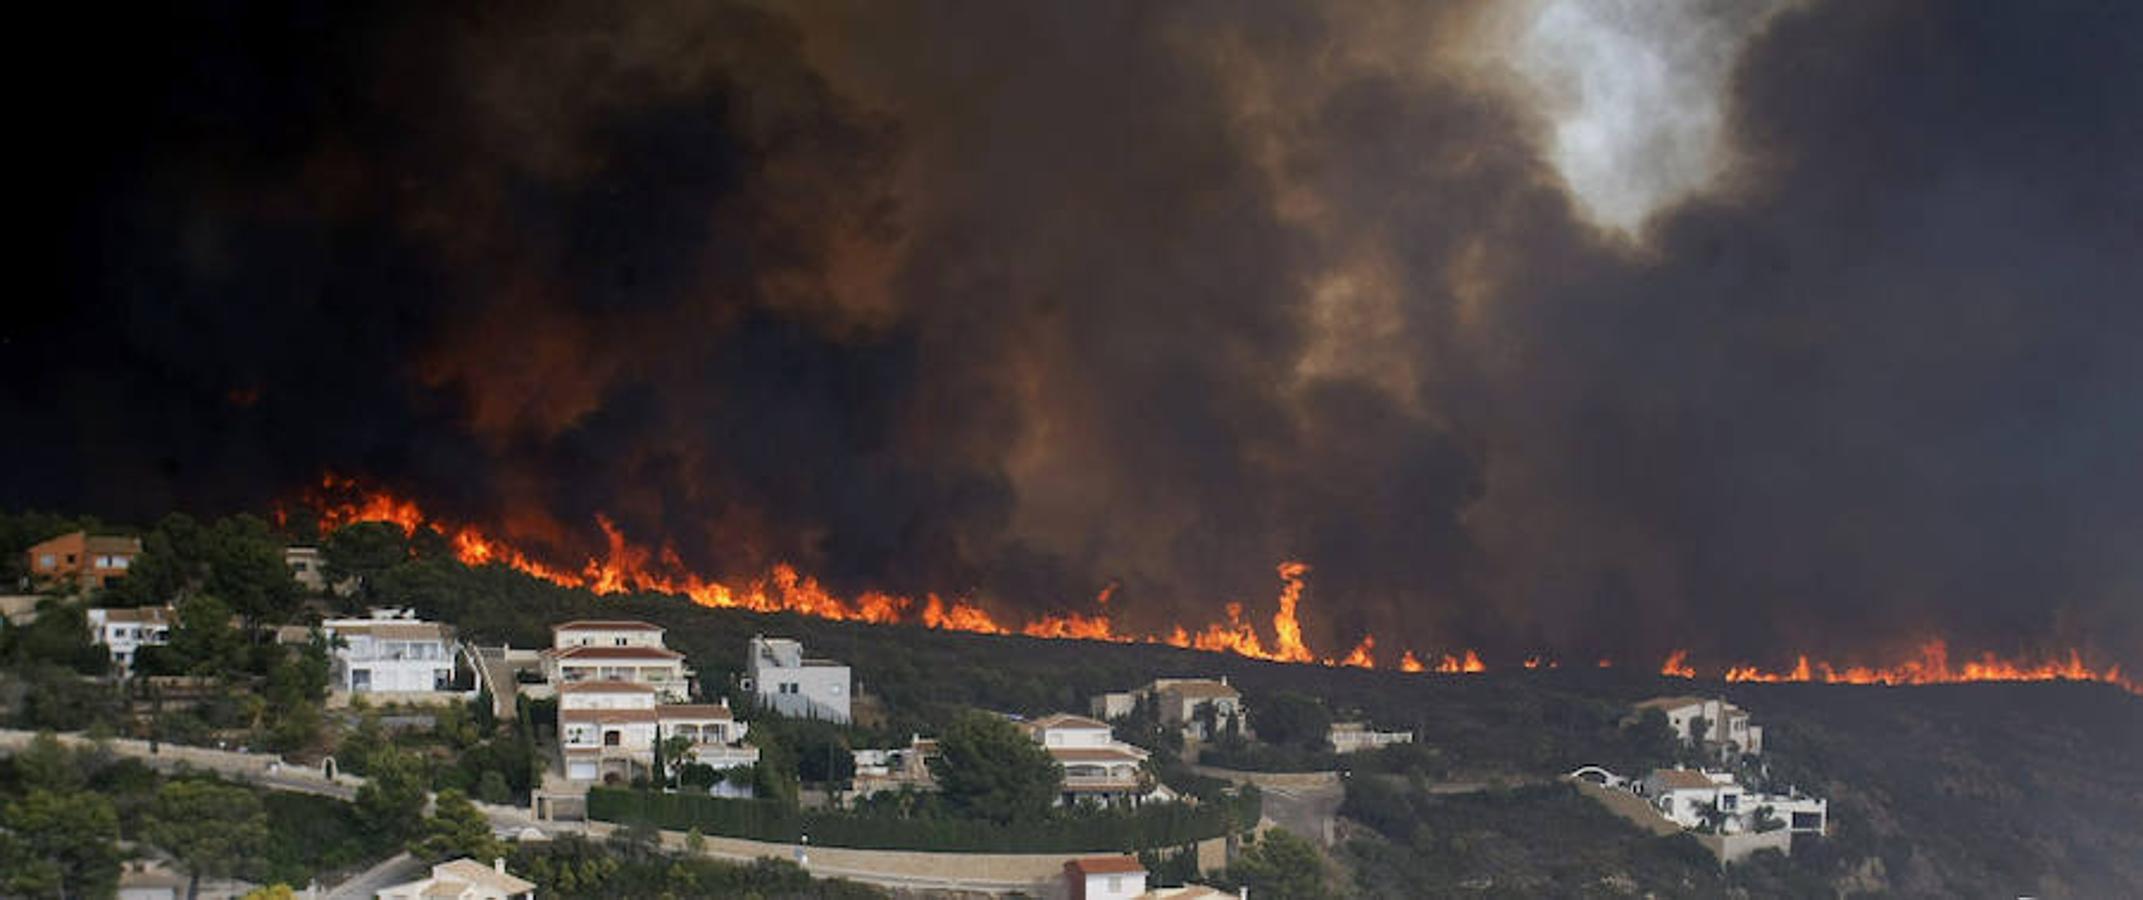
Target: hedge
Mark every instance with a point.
(1074, 831)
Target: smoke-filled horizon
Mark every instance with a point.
(1750, 328)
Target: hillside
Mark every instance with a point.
(1961, 789)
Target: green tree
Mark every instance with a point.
(1291, 719)
(1281, 866)
(989, 769)
(245, 567)
(55, 843)
(48, 764)
(59, 636)
(672, 755)
(170, 565)
(360, 553)
(210, 828)
(203, 642)
(456, 828)
(391, 802)
(492, 788)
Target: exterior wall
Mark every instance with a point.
(1113, 706)
(1075, 737)
(792, 685)
(304, 563)
(605, 637)
(91, 562)
(1354, 740)
(1110, 886)
(132, 630)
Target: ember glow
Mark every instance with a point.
(626, 567)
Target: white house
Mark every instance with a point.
(792, 684)
(606, 633)
(1690, 797)
(392, 652)
(654, 665)
(1353, 737)
(124, 632)
(1726, 726)
(1096, 766)
(607, 730)
(1104, 878)
(1180, 703)
(305, 567)
(463, 879)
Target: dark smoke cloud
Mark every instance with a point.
(1024, 299)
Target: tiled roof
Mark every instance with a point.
(1682, 779)
(606, 625)
(618, 653)
(606, 687)
(1104, 865)
(1066, 720)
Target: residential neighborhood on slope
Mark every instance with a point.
(611, 715)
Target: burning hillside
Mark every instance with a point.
(626, 567)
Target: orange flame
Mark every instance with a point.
(625, 567)
(1932, 665)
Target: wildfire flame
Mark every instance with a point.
(625, 567)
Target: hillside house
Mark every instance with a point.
(1097, 767)
(123, 632)
(463, 879)
(616, 650)
(1200, 707)
(792, 684)
(392, 652)
(1692, 797)
(1104, 878)
(1354, 737)
(1727, 728)
(89, 561)
(607, 730)
(896, 768)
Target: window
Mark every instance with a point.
(620, 641)
(47, 560)
(70, 559)
(120, 562)
(1729, 802)
(613, 738)
(1116, 884)
(300, 567)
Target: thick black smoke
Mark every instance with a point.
(1022, 300)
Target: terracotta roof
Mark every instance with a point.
(618, 653)
(1202, 689)
(606, 687)
(399, 631)
(1681, 779)
(606, 716)
(1104, 865)
(607, 625)
(1066, 720)
(156, 614)
(474, 872)
(695, 711)
(105, 543)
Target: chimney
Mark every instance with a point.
(499, 865)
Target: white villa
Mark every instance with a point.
(1689, 797)
(393, 652)
(1097, 767)
(616, 650)
(1353, 737)
(1104, 878)
(1180, 701)
(899, 767)
(607, 730)
(463, 879)
(124, 632)
(1726, 726)
(792, 684)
